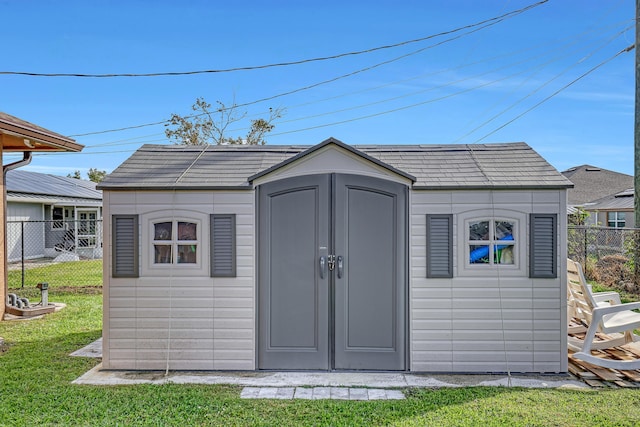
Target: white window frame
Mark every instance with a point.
(463, 265)
(92, 239)
(174, 242)
(149, 268)
(491, 242)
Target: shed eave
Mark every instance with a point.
(191, 187)
(490, 187)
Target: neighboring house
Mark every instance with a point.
(415, 258)
(48, 214)
(615, 210)
(20, 136)
(594, 185)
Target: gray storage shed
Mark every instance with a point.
(443, 258)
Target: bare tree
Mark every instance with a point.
(94, 175)
(209, 126)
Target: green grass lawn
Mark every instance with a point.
(83, 274)
(36, 373)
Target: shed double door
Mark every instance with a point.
(332, 273)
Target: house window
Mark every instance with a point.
(491, 241)
(616, 219)
(60, 216)
(87, 229)
(175, 242)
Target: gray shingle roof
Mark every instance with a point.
(511, 165)
(593, 183)
(614, 202)
(25, 182)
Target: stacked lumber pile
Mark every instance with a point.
(597, 376)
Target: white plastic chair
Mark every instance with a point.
(600, 312)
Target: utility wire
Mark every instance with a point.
(280, 64)
(628, 49)
(456, 82)
(127, 141)
(406, 107)
(530, 94)
(431, 101)
(483, 24)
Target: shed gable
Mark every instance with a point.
(332, 156)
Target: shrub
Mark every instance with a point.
(613, 271)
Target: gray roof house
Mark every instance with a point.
(442, 258)
(55, 213)
(603, 193)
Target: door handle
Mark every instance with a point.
(323, 266)
(340, 266)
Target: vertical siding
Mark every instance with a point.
(486, 322)
(181, 318)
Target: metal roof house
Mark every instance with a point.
(53, 212)
(446, 258)
(20, 136)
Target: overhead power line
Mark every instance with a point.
(476, 27)
(627, 49)
(279, 64)
(304, 88)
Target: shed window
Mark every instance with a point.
(175, 242)
(491, 241)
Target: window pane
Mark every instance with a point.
(503, 254)
(621, 216)
(479, 254)
(186, 231)
(611, 216)
(57, 214)
(162, 254)
(186, 254)
(504, 230)
(479, 230)
(162, 231)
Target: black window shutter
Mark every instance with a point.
(124, 232)
(543, 231)
(439, 246)
(223, 245)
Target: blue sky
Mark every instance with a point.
(466, 87)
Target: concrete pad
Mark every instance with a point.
(377, 394)
(267, 393)
(325, 380)
(340, 393)
(250, 393)
(330, 380)
(285, 393)
(395, 395)
(321, 393)
(303, 393)
(92, 350)
(358, 394)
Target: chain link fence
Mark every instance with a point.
(62, 253)
(608, 255)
